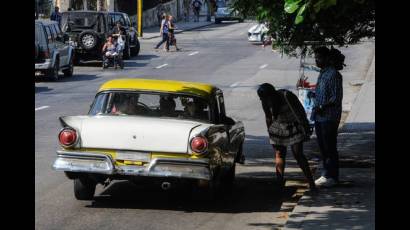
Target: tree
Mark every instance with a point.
(300, 25)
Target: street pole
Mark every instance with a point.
(139, 15)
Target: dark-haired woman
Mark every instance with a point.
(287, 126)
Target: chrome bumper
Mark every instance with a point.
(44, 65)
(159, 167)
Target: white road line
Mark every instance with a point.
(234, 84)
(196, 52)
(159, 67)
(42, 107)
(263, 66)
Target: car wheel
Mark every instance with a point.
(84, 188)
(136, 49)
(88, 40)
(53, 73)
(70, 70)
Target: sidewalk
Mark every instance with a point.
(350, 205)
(153, 32)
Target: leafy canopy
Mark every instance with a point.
(304, 24)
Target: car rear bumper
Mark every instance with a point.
(227, 18)
(44, 65)
(70, 161)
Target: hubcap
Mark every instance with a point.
(88, 40)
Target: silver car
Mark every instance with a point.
(52, 52)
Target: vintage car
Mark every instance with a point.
(161, 130)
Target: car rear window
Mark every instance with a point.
(39, 34)
(162, 105)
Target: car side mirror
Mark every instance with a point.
(229, 121)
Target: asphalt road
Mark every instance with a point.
(218, 54)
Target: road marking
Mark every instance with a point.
(42, 107)
(234, 84)
(191, 54)
(159, 67)
(263, 66)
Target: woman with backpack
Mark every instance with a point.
(164, 30)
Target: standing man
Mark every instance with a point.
(196, 5)
(56, 15)
(326, 114)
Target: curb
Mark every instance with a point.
(303, 207)
(179, 31)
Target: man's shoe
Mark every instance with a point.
(325, 182)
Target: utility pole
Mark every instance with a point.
(139, 19)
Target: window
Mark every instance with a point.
(49, 34)
(119, 18)
(57, 28)
(54, 30)
(162, 105)
(127, 21)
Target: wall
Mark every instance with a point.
(149, 17)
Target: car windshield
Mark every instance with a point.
(71, 21)
(162, 105)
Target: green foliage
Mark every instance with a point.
(295, 23)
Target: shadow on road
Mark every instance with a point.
(82, 77)
(42, 89)
(249, 195)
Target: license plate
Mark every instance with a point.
(134, 156)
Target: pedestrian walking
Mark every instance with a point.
(56, 15)
(287, 126)
(196, 6)
(164, 33)
(171, 32)
(327, 112)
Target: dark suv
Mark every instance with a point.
(52, 51)
(88, 30)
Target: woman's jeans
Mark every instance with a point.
(326, 132)
(165, 38)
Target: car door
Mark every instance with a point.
(233, 129)
(52, 48)
(61, 45)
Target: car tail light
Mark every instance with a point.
(199, 144)
(67, 137)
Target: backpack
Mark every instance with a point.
(337, 58)
(165, 27)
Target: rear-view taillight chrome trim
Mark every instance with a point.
(72, 141)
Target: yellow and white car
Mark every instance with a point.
(170, 131)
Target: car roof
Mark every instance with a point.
(92, 11)
(133, 84)
(45, 21)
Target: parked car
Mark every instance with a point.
(166, 131)
(89, 30)
(227, 14)
(258, 33)
(52, 52)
